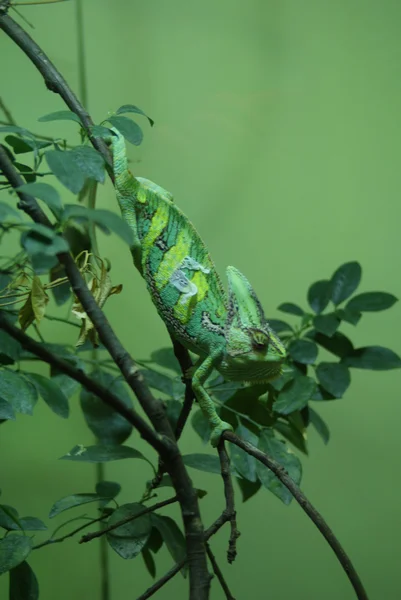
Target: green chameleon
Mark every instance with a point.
(230, 334)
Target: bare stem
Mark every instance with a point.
(230, 506)
(218, 573)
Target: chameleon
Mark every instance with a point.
(228, 332)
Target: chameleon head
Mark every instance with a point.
(254, 352)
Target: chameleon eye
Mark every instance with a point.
(260, 340)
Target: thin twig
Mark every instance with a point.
(9, 118)
(218, 573)
(90, 384)
(35, 3)
(214, 528)
(91, 536)
(304, 503)
(54, 81)
(69, 535)
(230, 505)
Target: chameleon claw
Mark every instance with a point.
(217, 432)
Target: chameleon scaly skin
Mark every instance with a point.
(231, 333)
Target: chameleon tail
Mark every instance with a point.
(127, 187)
(125, 182)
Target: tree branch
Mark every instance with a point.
(54, 81)
(69, 535)
(168, 450)
(218, 573)
(306, 506)
(229, 496)
(214, 528)
(90, 384)
(91, 536)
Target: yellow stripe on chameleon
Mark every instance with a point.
(141, 196)
(172, 259)
(157, 224)
(182, 312)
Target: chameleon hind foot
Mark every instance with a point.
(217, 432)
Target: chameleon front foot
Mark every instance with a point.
(217, 432)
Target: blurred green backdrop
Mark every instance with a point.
(278, 131)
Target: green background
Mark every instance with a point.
(278, 131)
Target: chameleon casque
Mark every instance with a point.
(228, 332)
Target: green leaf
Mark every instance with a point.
(105, 219)
(225, 391)
(107, 490)
(327, 324)
(63, 166)
(371, 301)
(51, 394)
(32, 524)
(155, 541)
(244, 463)
(23, 145)
(26, 171)
(109, 427)
(320, 394)
(71, 502)
(19, 392)
(13, 550)
(280, 452)
(173, 410)
(319, 295)
(67, 385)
(9, 518)
(90, 162)
(248, 489)
(303, 351)
(349, 316)
(334, 377)
(100, 454)
(15, 129)
(201, 425)
(338, 344)
(375, 358)
(129, 129)
(8, 213)
(280, 382)
(172, 536)
(23, 583)
(128, 540)
(6, 410)
(61, 292)
(60, 115)
(165, 357)
(279, 326)
(100, 131)
(19, 145)
(345, 281)
(319, 425)
(294, 435)
(203, 462)
(149, 562)
(44, 192)
(292, 309)
(42, 244)
(158, 381)
(130, 108)
(294, 395)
